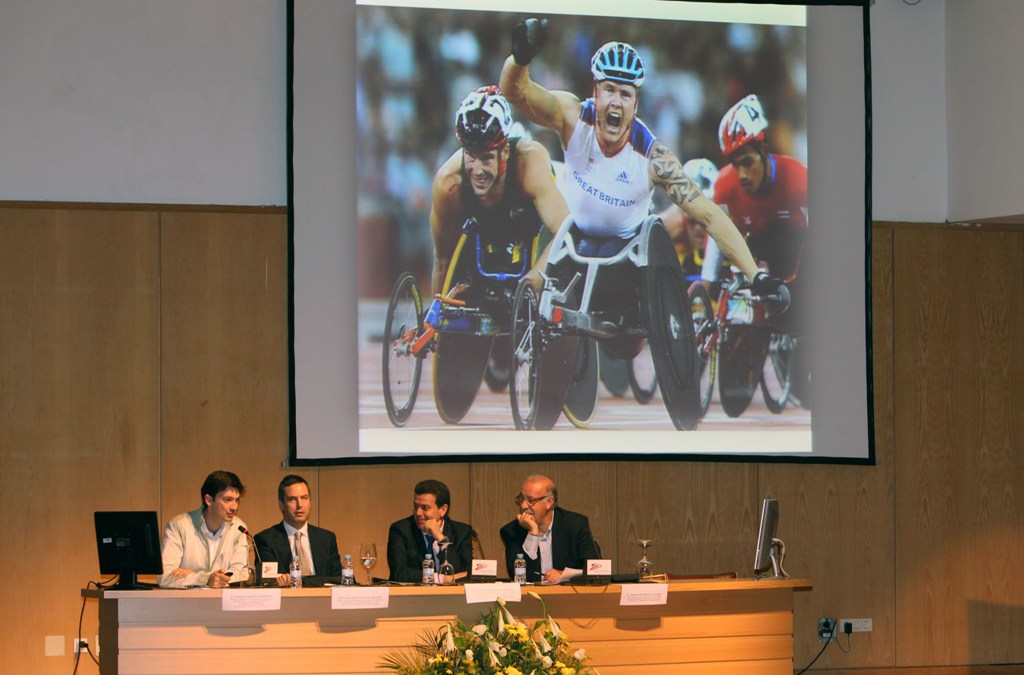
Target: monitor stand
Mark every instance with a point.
(777, 555)
(127, 581)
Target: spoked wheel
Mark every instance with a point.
(525, 357)
(777, 374)
(707, 349)
(742, 351)
(400, 368)
(581, 399)
(670, 331)
(643, 378)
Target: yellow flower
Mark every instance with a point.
(512, 670)
(567, 671)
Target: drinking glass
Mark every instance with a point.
(446, 572)
(644, 566)
(368, 556)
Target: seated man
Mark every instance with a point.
(317, 548)
(550, 537)
(412, 538)
(205, 547)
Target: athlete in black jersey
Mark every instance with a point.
(505, 184)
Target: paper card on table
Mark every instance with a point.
(644, 594)
(485, 568)
(268, 569)
(250, 599)
(598, 568)
(360, 597)
(491, 592)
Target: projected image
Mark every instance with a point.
(602, 231)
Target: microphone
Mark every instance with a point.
(258, 572)
(476, 540)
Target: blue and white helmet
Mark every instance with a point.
(618, 62)
(703, 173)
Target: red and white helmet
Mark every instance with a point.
(743, 123)
(483, 120)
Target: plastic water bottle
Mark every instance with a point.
(428, 570)
(348, 575)
(295, 569)
(520, 569)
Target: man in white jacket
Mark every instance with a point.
(208, 546)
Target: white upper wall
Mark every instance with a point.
(156, 101)
(985, 108)
(184, 102)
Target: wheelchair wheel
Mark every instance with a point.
(525, 357)
(703, 329)
(614, 372)
(400, 369)
(670, 331)
(777, 374)
(581, 399)
(741, 352)
(459, 364)
(643, 378)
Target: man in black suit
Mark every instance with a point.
(318, 548)
(411, 539)
(549, 537)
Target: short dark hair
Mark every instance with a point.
(442, 497)
(217, 482)
(287, 481)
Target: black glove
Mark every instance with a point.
(772, 289)
(527, 39)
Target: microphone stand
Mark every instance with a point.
(257, 569)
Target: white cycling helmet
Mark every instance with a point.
(618, 62)
(704, 173)
(483, 120)
(743, 123)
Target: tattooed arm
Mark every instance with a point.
(667, 173)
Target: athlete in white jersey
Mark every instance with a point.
(611, 134)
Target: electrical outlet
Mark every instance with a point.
(857, 625)
(827, 629)
(80, 645)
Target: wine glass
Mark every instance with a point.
(644, 566)
(368, 556)
(446, 572)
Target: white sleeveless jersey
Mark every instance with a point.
(607, 196)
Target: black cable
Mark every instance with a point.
(81, 614)
(827, 643)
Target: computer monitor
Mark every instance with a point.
(770, 550)
(128, 543)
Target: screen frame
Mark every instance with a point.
(767, 530)
(869, 459)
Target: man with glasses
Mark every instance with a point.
(550, 538)
(428, 530)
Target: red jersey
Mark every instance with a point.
(774, 219)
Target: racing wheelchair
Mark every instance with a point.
(465, 329)
(620, 301)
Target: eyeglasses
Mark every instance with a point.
(529, 501)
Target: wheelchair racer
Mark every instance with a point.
(504, 182)
(612, 160)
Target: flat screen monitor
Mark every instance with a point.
(128, 543)
(770, 549)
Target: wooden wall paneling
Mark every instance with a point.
(223, 356)
(959, 511)
(583, 486)
(359, 503)
(837, 521)
(78, 408)
(702, 516)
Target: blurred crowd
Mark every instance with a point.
(415, 65)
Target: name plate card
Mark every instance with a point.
(485, 568)
(268, 569)
(509, 592)
(599, 568)
(250, 599)
(644, 594)
(360, 597)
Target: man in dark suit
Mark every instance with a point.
(411, 539)
(549, 537)
(317, 547)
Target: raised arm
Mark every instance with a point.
(667, 173)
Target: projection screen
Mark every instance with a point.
(374, 87)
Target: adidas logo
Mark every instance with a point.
(622, 177)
